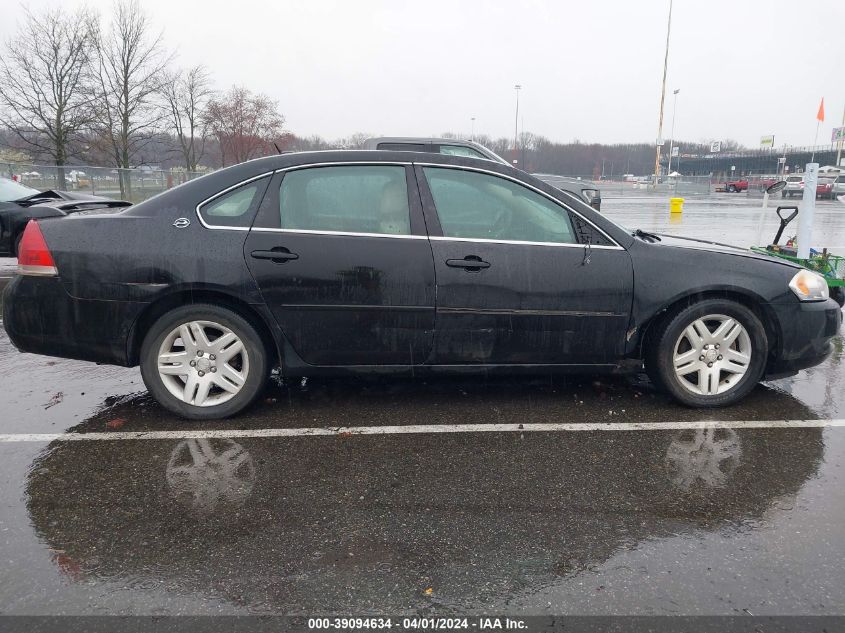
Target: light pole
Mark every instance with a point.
(517, 87)
(672, 133)
(662, 98)
(472, 133)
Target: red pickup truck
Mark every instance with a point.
(735, 186)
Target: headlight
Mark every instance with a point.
(590, 194)
(809, 286)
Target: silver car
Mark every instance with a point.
(582, 189)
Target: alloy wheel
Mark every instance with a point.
(712, 355)
(203, 363)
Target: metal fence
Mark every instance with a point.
(618, 187)
(134, 185)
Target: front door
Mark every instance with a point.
(515, 282)
(342, 261)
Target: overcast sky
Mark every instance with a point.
(589, 70)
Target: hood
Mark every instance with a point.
(675, 241)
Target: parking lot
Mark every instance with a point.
(533, 495)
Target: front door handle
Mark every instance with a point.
(470, 263)
(278, 255)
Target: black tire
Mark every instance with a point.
(18, 243)
(783, 194)
(661, 347)
(732, 189)
(837, 293)
(253, 344)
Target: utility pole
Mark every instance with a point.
(839, 144)
(672, 133)
(472, 134)
(662, 99)
(517, 87)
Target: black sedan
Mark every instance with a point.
(398, 262)
(20, 204)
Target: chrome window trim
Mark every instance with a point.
(396, 236)
(523, 243)
(615, 246)
(222, 193)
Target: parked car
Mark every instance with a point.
(824, 188)
(390, 262)
(20, 204)
(585, 190)
(794, 187)
(839, 186)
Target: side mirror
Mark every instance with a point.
(774, 188)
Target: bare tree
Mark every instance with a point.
(132, 63)
(186, 95)
(45, 83)
(245, 124)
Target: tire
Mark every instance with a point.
(783, 194)
(243, 370)
(837, 293)
(703, 386)
(18, 240)
(732, 189)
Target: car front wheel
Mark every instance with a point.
(709, 354)
(203, 362)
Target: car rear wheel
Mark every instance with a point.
(203, 362)
(709, 354)
(18, 240)
(732, 189)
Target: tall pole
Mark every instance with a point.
(672, 133)
(839, 144)
(662, 97)
(472, 134)
(517, 87)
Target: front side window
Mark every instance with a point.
(458, 150)
(482, 206)
(236, 207)
(349, 199)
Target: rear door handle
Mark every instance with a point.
(471, 263)
(278, 255)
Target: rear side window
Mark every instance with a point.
(349, 199)
(236, 207)
(480, 206)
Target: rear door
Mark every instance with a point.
(517, 282)
(343, 262)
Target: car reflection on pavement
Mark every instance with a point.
(305, 525)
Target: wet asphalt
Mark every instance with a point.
(684, 522)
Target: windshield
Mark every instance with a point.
(11, 190)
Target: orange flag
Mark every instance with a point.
(820, 115)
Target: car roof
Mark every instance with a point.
(420, 139)
(258, 166)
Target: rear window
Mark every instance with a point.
(349, 199)
(460, 150)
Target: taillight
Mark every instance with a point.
(34, 257)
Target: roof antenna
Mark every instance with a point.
(277, 147)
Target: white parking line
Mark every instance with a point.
(417, 429)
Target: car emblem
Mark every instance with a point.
(181, 223)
